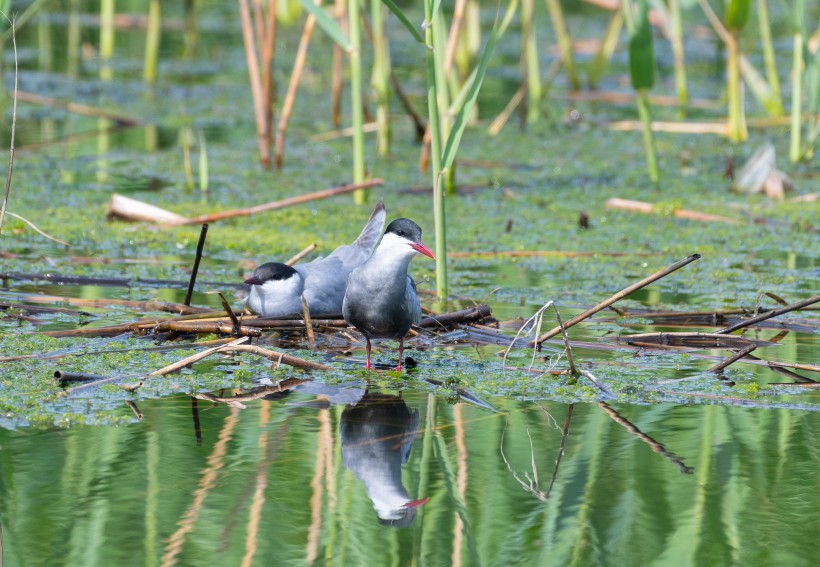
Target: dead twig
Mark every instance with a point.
(199, 247)
(654, 445)
(278, 357)
(770, 314)
(620, 295)
(643, 207)
(737, 356)
(134, 409)
(13, 128)
(308, 325)
(28, 222)
(298, 256)
(597, 383)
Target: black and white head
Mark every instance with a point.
(277, 277)
(403, 238)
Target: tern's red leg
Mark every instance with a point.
(401, 354)
(367, 343)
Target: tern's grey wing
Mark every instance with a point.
(325, 281)
(411, 299)
(353, 255)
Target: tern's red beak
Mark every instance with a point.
(416, 503)
(422, 249)
(253, 281)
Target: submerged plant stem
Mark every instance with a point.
(648, 141)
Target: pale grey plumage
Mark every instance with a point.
(322, 281)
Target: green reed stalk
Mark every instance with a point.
(380, 79)
(529, 60)
(603, 55)
(642, 74)
(737, 14)
(564, 41)
(443, 92)
(797, 82)
(106, 37)
(356, 99)
(73, 40)
(45, 58)
(152, 42)
(190, 35)
(734, 91)
(435, 152)
(774, 104)
(203, 167)
(676, 29)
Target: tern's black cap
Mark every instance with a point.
(270, 271)
(405, 228)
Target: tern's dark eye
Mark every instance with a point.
(401, 233)
(277, 277)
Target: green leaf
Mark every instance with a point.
(404, 20)
(737, 14)
(327, 23)
(460, 122)
(641, 51)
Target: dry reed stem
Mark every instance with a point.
(268, 82)
(288, 202)
(649, 208)
(621, 294)
(199, 247)
(336, 68)
(770, 314)
(301, 254)
(77, 108)
(13, 129)
(32, 225)
(255, 80)
(293, 86)
(654, 445)
(735, 357)
(308, 325)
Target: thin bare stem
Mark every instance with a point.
(28, 222)
(13, 128)
(199, 247)
(620, 295)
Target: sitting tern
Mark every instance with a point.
(276, 289)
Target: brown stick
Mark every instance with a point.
(13, 129)
(464, 316)
(737, 356)
(620, 295)
(643, 207)
(84, 302)
(268, 82)
(654, 445)
(77, 108)
(408, 106)
(134, 409)
(282, 203)
(336, 69)
(308, 325)
(293, 86)
(279, 356)
(255, 81)
(200, 245)
(770, 314)
(307, 250)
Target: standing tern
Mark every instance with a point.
(381, 299)
(277, 289)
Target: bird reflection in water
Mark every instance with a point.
(376, 434)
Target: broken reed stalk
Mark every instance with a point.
(199, 247)
(268, 81)
(597, 383)
(561, 447)
(418, 123)
(293, 86)
(84, 302)
(770, 314)
(255, 81)
(13, 129)
(654, 445)
(620, 295)
(77, 108)
(572, 368)
(299, 255)
(643, 207)
(278, 357)
(282, 203)
(735, 357)
(134, 409)
(308, 324)
(336, 67)
(63, 376)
